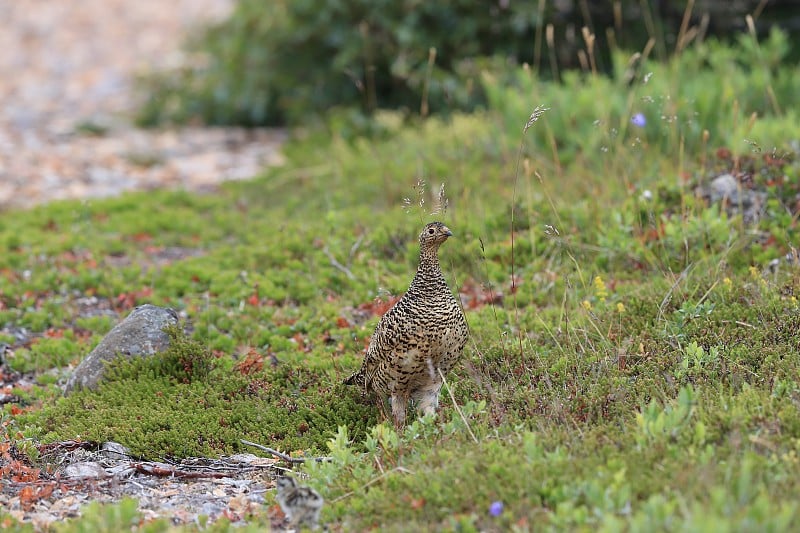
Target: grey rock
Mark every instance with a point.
(726, 190)
(138, 335)
(724, 187)
(114, 450)
(86, 470)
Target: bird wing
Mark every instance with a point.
(384, 339)
(389, 334)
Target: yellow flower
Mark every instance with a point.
(620, 307)
(727, 282)
(754, 272)
(586, 304)
(600, 289)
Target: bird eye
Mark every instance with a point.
(430, 231)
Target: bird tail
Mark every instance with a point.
(357, 378)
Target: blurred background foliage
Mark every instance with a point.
(289, 61)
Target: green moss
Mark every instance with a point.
(639, 368)
(184, 402)
(46, 353)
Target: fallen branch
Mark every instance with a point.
(67, 445)
(285, 457)
(354, 248)
(336, 264)
(164, 470)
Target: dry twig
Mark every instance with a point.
(458, 409)
(337, 265)
(165, 470)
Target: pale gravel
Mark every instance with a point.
(68, 62)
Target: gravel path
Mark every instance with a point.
(66, 64)
(70, 63)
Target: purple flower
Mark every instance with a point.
(496, 508)
(638, 120)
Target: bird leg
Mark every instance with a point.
(399, 403)
(427, 398)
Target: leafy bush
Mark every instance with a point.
(295, 59)
(676, 111)
(300, 57)
(633, 355)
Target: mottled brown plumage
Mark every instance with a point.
(300, 504)
(423, 333)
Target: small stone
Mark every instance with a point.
(87, 470)
(114, 450)
(724, 187)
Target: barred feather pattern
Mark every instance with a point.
(423, 333)
(299, 503)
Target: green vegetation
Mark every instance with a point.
(297, 60)
(164, 405)
(633, 362)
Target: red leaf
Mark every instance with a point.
(27, 497)
(379, 307)
(475, 295)
(46, 491)
(301, 341)
(254, 362)
(418, 503)
(230, 515)
(21, 473)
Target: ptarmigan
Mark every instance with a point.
(423, 333)
(300, 504)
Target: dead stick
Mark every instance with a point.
(336, 264)
(458, 409)
(160, 471)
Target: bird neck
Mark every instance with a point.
(429, 257)
(428, 269)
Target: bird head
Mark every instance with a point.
(285, 483)
(434, 234)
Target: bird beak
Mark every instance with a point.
(447, 231)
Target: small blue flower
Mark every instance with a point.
(638, 120)
(496, 508)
